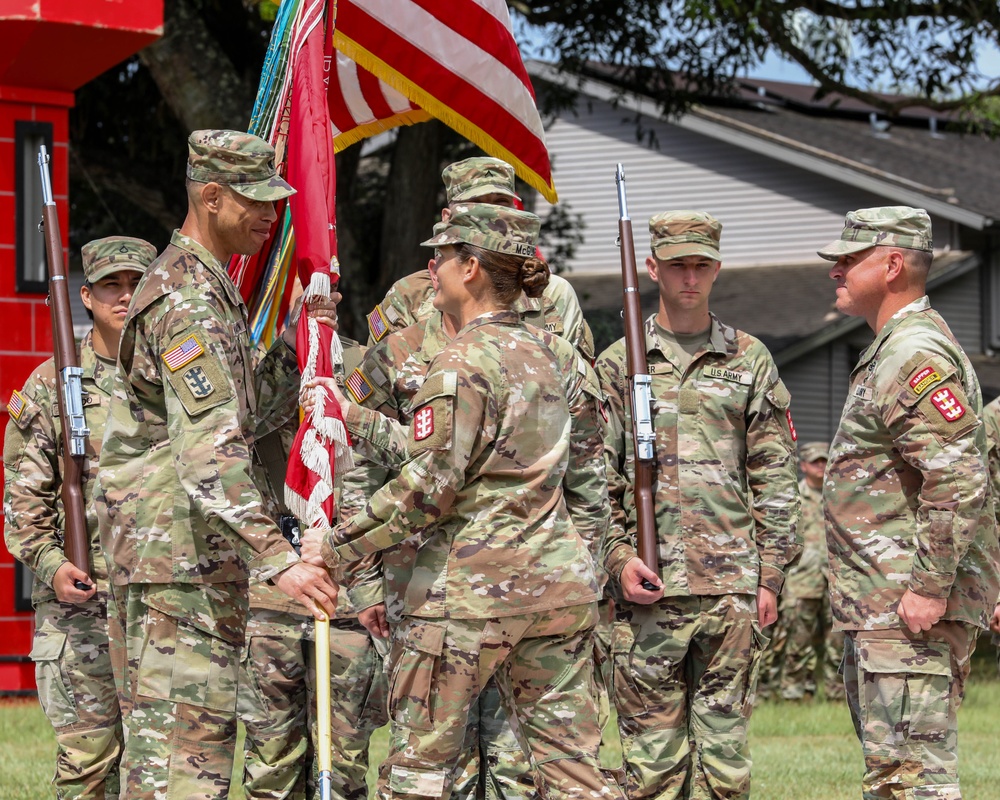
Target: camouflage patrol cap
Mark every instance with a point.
(497, 228)
(676, 234)
(466, 180)
(242, 161)
(814, 451)
(896, 226)
(103, 257)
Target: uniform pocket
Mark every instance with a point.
(628, 698)
(904, 690)
(55, 693)
(417, 648)
(758, 646)
(183, 664)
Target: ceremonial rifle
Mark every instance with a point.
(640, 391)
(76, 541)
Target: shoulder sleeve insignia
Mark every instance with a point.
(946, 403)
(359, 387)
(423, 423)
(184, 353)
(198, 382)
(377, 324)
(15, 406)
(924, 379)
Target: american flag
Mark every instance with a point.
(405, 61)
(184, 353)
(376, 324)
(359, 387)
(16, 405)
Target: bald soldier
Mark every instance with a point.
(71, 649)
(687, 652)
(910, 519)
(183, 525)
(409, 300)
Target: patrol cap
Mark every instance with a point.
(814, 451)
(103, 257)
(466, 180)
(895, 226)
(497, 228)
(676, 234)
(242, 161)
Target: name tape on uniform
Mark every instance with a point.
(742, 378)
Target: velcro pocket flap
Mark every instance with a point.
(622, 639)
(778, 396)
(48, 647)
(427, 637)
(901, 655)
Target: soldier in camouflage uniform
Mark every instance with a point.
(480, 498)
(277, 692)
(410, 299)
(909, 512)
(183, 526)
(991, 418)
(71, 648)
(805, 611)
(686, 655)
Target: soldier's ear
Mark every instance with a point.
(211, 196)
(895, 266)
(85, 296)
(651, 267)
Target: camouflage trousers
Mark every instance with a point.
(543, 665)
(277, 704)
(904, 691)
(76, 690)
(177, 685)
(685, 672)
(805, 621)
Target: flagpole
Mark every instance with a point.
(323, 721)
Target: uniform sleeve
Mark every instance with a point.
(586, 483)
(450, 417)
(276, 383)
(937, 432)
(619, 546)
(31, 485)
(771, 474)
(206, 436)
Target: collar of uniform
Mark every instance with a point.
(917, 306)
(505, 317)
(525, 304)
(808, 491)
(215, 266)
(88, 357)
(435, 339)
(717, 341)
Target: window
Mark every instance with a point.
(32, 271)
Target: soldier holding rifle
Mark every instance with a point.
(687, 638)
(71, 648)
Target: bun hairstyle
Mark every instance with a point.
(509, 274)
(534, 276)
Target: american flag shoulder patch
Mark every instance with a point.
(359, 387)
(15, 406)
(184, 353)
(377, 324)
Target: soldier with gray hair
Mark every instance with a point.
(687, 644)
(71, 648)
(183, 525)
(911, 530)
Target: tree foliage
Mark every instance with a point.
(129, 126)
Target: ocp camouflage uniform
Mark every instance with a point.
(991, 419)
(409, 301)
(182, 523)
(908, 505)
(805, 610)
(72, 664)
(726, 505)
(463, 606)
(277, 696)
(387, 381)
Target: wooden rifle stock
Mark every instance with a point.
(640, 391)
(76, 541)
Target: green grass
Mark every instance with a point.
(800, 752)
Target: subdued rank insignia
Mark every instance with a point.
(198, 382)
(15, 407)
(359, 387)
(924, 379)
(377, 324)
(423, 423)
(184, 353)
(946, 402)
